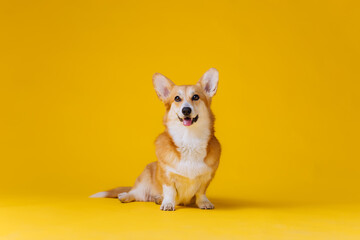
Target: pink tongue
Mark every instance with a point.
(187, 122)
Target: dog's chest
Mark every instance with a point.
(193, 151)
(191, 164)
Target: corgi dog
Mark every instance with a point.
(187, 151)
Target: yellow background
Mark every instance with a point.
(79, 113)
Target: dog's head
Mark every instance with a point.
(187, 104)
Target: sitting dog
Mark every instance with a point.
(187, 151)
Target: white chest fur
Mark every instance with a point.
(191, 164)
(192, 143)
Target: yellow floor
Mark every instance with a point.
(79, 217)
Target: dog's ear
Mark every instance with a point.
(209, 82)
(162, 85)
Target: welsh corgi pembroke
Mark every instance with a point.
(187, 151)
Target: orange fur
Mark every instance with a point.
(188, 156)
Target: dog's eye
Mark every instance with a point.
(195, 97)
(177, 99)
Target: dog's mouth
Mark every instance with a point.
(188, 121)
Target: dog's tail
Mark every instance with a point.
(112, 193)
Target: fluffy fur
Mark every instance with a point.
(188, 152)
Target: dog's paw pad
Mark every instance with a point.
(167, 206)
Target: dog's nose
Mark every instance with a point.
(186, 111)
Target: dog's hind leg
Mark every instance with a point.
(145, 188)
(158, 199)
(126, 197)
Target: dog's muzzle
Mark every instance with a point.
(187, 121)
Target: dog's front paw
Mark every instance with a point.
(205, 204)
(167, 206)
